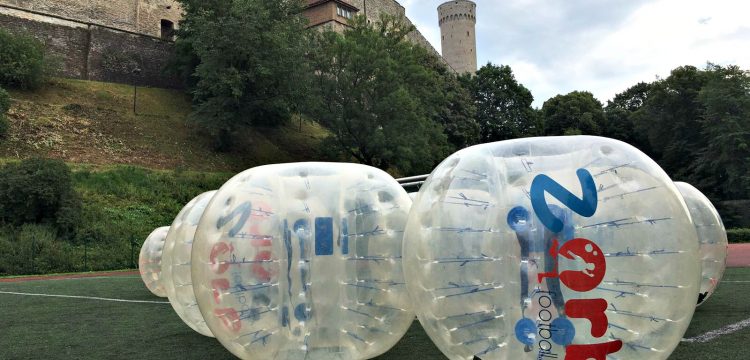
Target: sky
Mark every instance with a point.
(602, 46)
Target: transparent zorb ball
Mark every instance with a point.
(559, 247)
(303, 261)
(149, 261)
(176, 263)
(711, 235)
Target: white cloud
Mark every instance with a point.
(602, 46)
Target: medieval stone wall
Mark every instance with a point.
(372, 9)
(139, 16)
(94, 52)
(104, 40)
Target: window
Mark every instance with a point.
(343, 12)
(167, 30)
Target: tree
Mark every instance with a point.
(503, 105)
(246, 59)
(4, 107)
(39, 191)
(723, 165)
(619, 115)
(380, 101)
(23, 62)
(670, 120)
(575, 113)
(456, 109)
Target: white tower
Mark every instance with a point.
(457, 27)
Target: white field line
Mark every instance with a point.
(735, 281)
(719, 332)
(85, 297)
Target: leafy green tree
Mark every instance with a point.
(247, 61)
(670, 120)
(380, 98)
(723, 164)
(4, 107)
(619, 113)
(39, 191)
(23, 63)
(575, 113)
(503, 105)
(454, 105)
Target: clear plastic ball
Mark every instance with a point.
(176, 265)
(149, 261)
(303, 261)
(711, 235)
(558, 247)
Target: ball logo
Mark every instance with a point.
(561, 330)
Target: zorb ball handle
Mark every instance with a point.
(557, 247)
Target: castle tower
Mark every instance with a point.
(457, 28)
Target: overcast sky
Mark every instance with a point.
(602, 46)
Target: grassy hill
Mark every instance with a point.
(134, 172)
(89, 122)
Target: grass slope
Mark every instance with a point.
(120, 203)
(55, 328)
(93, 123)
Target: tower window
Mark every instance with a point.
(167, 30)
(343, 12)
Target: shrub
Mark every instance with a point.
(4, 101)
(4, 107)
(23, 63)
(34, 249)
(738, 235)
(39, 191)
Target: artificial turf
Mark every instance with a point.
(34, 327)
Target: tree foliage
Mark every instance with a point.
(696, 124)
(245, 60)
(23, 63)
(620, 115)
(4, 107)
(576, 113)
(380, 98)
(670, 119)
(723, 164)
(503, 105)
(39, 191)
(456, 108)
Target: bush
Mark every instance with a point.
(4, 102)
(738, 235)
(34, 249)
(39, 191)
(4, 107)
(23, 63)
(120, 206)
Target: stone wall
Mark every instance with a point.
(94, 52)
(139, 16)
(66, 41)
(372, 9)
(104, 40)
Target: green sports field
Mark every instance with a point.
(42, 327)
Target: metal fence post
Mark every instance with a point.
(85, 255)
(132, 251)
